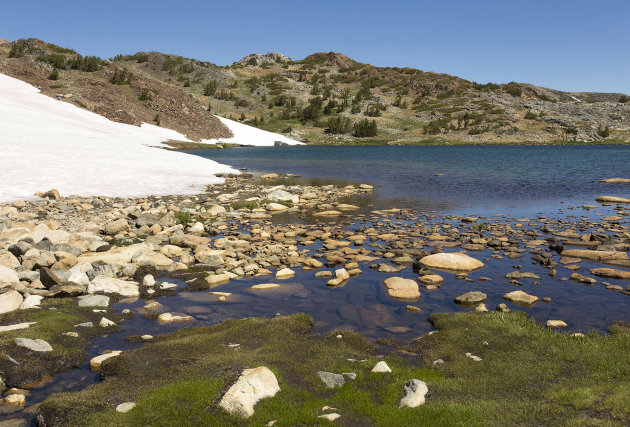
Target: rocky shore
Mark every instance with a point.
(64, 260)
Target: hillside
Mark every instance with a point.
(325, 98)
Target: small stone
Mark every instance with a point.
(330, 417)
(473, 357)
(381, 367)
(471, 298)
(331, 380)
(170, 318)
(125, 407)
(556, 324)
(104, 323)
(285, 273)
(93, 301)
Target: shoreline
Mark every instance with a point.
(124, 249)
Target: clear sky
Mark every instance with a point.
(572, 45)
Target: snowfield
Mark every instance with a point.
(46, 143)
(248, 135)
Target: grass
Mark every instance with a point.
(54, 318)
(529, 376)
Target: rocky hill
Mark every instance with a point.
(324, 98)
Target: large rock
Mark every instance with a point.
(252, 386)
(473, 297)
(122, 255)
(33, 345)
(8, 260)
(188, 240)
(8, 276)
(400, 288)
(10, 301)
(452, 262)
(110, 285)
(282, 196)
(48, 277)
(93, 301)
(415, 390)
(612, 199)
(96, 362)
(593, 255)
(521, 297)
(116, 227)
(150, 258)
(611, 273)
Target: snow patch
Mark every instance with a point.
(249, 135)
(46, 143)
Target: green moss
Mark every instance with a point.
(529, 376)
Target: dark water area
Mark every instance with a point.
(476, 180)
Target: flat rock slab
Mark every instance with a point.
(33, 345)
(615, 180)
(521, 297)
(16, 327)
(252, 386)
(265, 286)
(612, 199)
(611, 273)
(593, 255)
(110, 285)
(93, 301)
(405, 289)
(95, 363)
(452, 262)
(170, 318)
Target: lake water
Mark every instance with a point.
(477, 180)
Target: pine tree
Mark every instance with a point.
(54, 75)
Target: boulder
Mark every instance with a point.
(521, 297)
(400, 288)
(7, 259)
(31, 301)
(252, 386)
(556, 324)
(473, 297)
(612, 199)
(452, 262)
(415, 390)
(150, 258)
(116, 227)
(431, 279)
(285, 273)
(188, 240)
(8, 276)
(276, 207)
(218, 279)
(171, 318)
(381, 367)
(10, 301)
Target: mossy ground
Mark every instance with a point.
(529, 376)
(55, 317)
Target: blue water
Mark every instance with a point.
(482, 180)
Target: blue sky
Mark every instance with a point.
(571, 45)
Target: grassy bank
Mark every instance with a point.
(528, 375)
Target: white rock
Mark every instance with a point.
(95, 363)
(125, 407)
(93, 301)
(8, 276)
(415, 390)
(104, 323)
(10, 301)
(285, 273)
(170, 318)
(33, 345)
(16, 327)
(252, 386)
(14, 399)
(79, 278)
(330, 417)
(110, 285)
(265, 286)
(381, 367)
(148, 281)
(31, 301)
(452, 261)
(196, 228)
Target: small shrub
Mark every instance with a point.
(121, 77)
(17, 49)
(604, 132)
(210, 88)
(183, 218)
(339, 125)
(146, 95)
(365, 128)
(530, 115)
(54, 75)
(624, 98)
(156, 119)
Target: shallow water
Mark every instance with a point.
(477, 180)
(519, 181)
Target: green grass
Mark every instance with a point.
(57, 315)
(529, 376)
